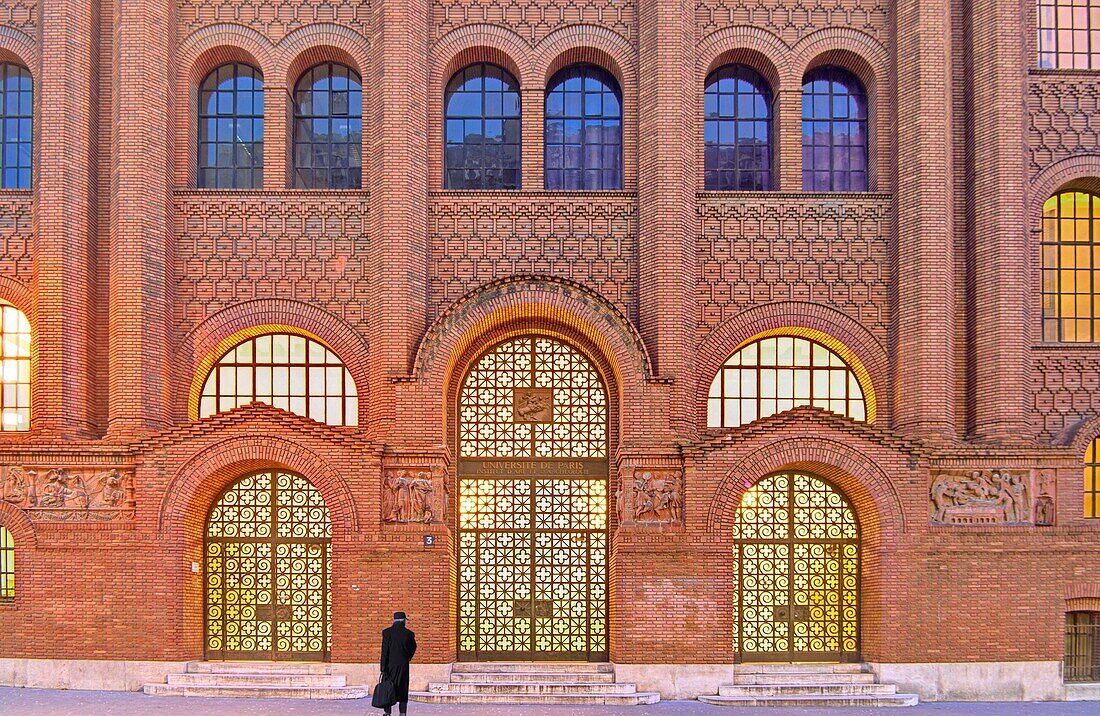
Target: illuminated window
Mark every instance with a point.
(834, 131)
(584, 130)
(7, 566)
(1092, 479)
(1071, 267)
(775, 374)
(328, 128)
(482, 116)
(1069, 34)
(737, 130)
(291, 372)
(16, 123)
(15, 361)
(231, 128)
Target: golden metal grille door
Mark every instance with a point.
(796, 572)
(532, 543)
(268, 571)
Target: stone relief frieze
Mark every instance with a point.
(992, 497)
(62, 495)
(411, 496)
(651, 497)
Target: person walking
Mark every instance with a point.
(398, 647)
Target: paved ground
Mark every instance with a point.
(38, 702)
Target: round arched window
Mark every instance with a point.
(15, 369)
(287, 371)
(584, 130)
(737, 130)
(231, 128)
(16, 126)
(834, 131)
(482, 127)
(328, 128)
(1071, 267)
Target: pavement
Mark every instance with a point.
(42, 702)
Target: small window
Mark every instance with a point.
(584, 130)
(776, 374)
(291, 372)
(7, 566)
(1082, 647)
(1069, 34)
(1092, 479)
(834, 131)
(17, 120)
(482, 129)
(737, 130)
(231, 128)
(1071, 268)
(328, 128)
(15, 369)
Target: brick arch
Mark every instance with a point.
(209, 336)
(323, 42)
(17, 294)
(726, 338)
(1076, 173)
(20, 525)
(752, 46)
(22, 49)
(471, 44)
(1078, 436)
(194, 487)
(588, 44)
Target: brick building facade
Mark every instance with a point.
(497, 357)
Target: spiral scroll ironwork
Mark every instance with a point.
(268, 571)
(796, 572)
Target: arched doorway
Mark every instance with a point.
(268, 579)
(796, 571)
(532, 497)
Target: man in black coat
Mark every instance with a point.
(398, 647)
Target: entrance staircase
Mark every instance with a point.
(808, 685)
(544, 683)
(258, 680)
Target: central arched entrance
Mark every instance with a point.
(532, 498)
(796, 571)
(268, 576)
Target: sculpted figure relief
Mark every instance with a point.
(61, 495)
(406, 498)
(658, 497)
(1000, 497)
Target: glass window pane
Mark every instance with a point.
(483, 142)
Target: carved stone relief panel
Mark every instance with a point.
(413, 495)
(650, 496)
(59, 494)
(992, 497)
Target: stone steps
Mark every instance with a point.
(258, 692)
(549, 683)
(812, 701)
(807, 685)
(806, 689)
(298, 680)
(537, 667)
(513, 687)
(802, 678)
(257, 680)
(253, 667)
(523, 677)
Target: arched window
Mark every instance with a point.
(482, 116)
(1071, 267)
(15, 369)
(1092, 479)
(291, 372)
(737, 130)
(774, 374)
(17, 120)
(584, 130)
(834, 131)
(1069, 34)
(7, 566)
(328, 128)
(231, 128)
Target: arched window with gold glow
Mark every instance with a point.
(1071, 267)
(288, 371)
(15, 359)
(778, 373)
(7, 566)
(1092, 478)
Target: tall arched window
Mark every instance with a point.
(1069, 34)
(1071, 267)
(1092, 479)
(737, 130)
(17, 122)
(15, 369)
(482, 117)
(584, 130)
(328, 128)
(231, 128)
(775, 374)
(291, 372)
(7, 566)
(834, 131)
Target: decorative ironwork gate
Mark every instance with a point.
(796, 572)
(268, 571)
(532, 542)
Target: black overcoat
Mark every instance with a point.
(398, 647)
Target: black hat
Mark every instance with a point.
(399, 616)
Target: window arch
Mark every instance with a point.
(1071, 267)
(288, 371)
(15, 369)
(584, 130)
(778, 373)
(17, 120)
(231, 128)
(328, 128)
(834, 131)
(1069, 34)
(7, 565)
(482, 118)
(737, 130)
(1092, 478)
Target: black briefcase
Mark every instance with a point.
(385, 695)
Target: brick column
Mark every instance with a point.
(1000, 379)
(141, 252)
(396, 128)
(532, 98)
(65, 219)
(787, 134)
(667, 219)
(924, 317)
(277, 138)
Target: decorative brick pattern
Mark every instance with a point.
(20, 14)
(16, 238)
(273, 18)
(534, 19)
(1064, 118)
(1067, 388)
(793, 21)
